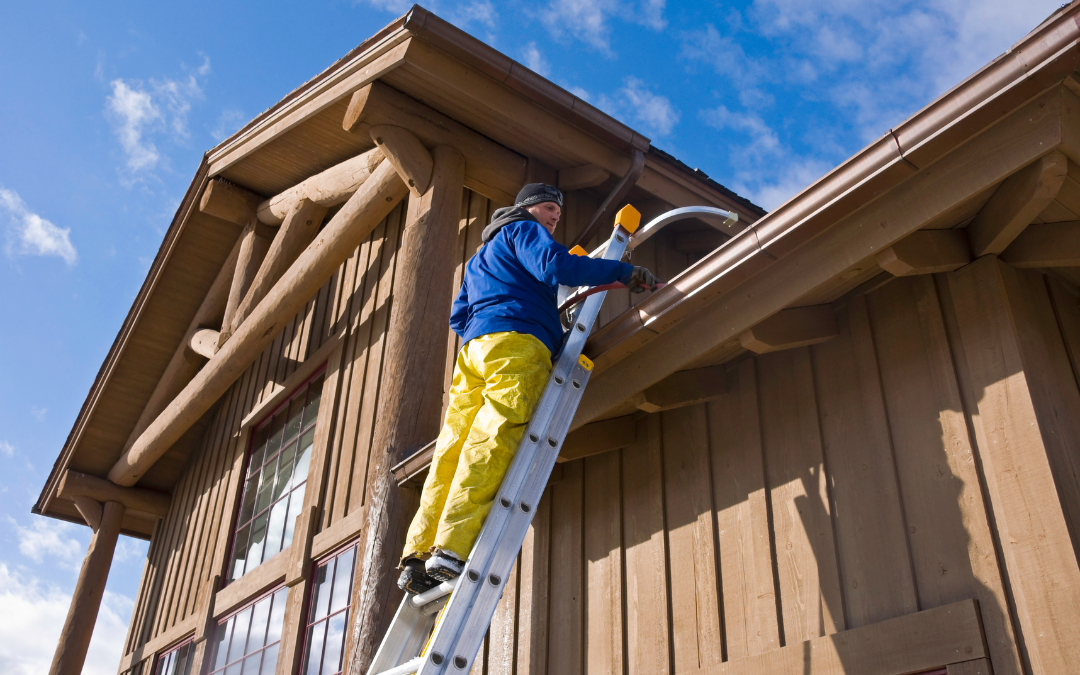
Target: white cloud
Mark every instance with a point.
(48, 538)
(229, 121)
(772, 189)
(130, 549)
(30, 234)
(33, 616)
(653, 112)
(534, 60)
(589, 21)
(38, 413)
(141, 113)
(458, 13)
(7, 449)
(763, 138)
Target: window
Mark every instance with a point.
(328, 614)
(176, 661)
(276, 476)
(247, 642)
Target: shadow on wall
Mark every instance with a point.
(832, 487)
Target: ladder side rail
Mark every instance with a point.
(444, 642)
(490, 592)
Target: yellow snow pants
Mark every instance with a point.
(498, 380)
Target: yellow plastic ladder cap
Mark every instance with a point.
(577, 250)
(585, 362)
(629, 218)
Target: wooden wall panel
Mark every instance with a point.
(952, 550)
(810, 596)
(870, 534)
(750, 600)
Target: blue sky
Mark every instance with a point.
(106, 109)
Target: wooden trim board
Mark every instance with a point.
(907, 644)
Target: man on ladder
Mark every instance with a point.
(507, 316)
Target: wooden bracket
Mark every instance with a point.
(686, 387)
(579, 177)
(75, 484)
(790, 328)
(89, 509)
(410, 158)
(228, 201)
(1018, 200)
(1046, 245)
(926, 252)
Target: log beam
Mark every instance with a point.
(1046, 245)
(203, 343)
(683, 388)
(790, 328)
(599, 437)
(580, 177)
(182, 366)
(334, 244)
(329, 188)
(926, 252)
(253, 248)
(228, 201)
(299, 228)
(410, 393)
(491, 169)
(1017, 201)
(76, 484)
(78, 627)
(408, 155)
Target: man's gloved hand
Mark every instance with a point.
(640, 279)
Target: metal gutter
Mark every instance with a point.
(1041, 59)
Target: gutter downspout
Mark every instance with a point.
(614, 198)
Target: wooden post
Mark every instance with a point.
(79, 625)
(1026, 426)
(410, 395)
(345, 231)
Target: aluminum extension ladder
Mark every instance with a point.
(463, 608)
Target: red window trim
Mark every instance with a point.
(253, 430)
(175, 646)
(309, 602)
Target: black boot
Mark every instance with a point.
(414, 578)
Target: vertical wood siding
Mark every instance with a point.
(831, 487)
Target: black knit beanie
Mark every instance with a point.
(537, 193)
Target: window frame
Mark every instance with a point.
(172, 649)
(211, 638)
(309, 601)
(250, 434)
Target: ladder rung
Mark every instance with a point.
(442, 590)
(406, 668)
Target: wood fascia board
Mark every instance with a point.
(1017, 140)
(365, 68)
(911, 643)
(116, 351)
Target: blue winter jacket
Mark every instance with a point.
(512, 281)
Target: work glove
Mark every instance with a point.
(640, 279)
